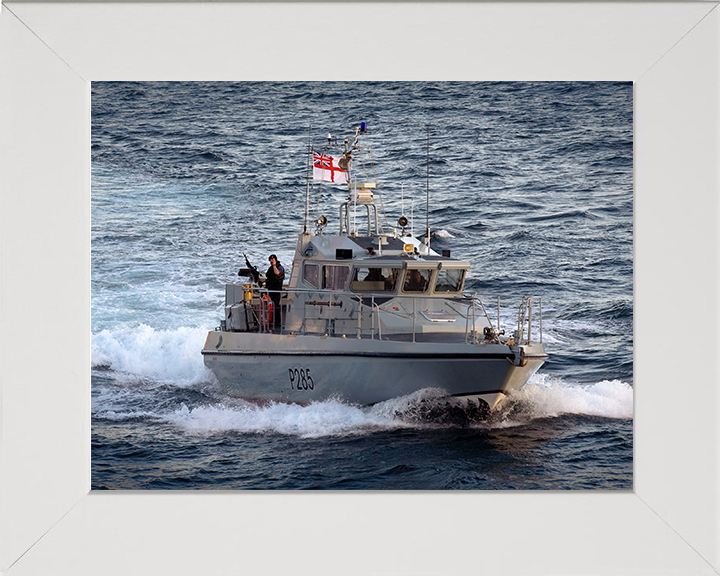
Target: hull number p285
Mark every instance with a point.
(300, 379)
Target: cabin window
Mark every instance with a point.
(449, 280)
(375, 279)
(335, 277)
(416, 280)
(311, 273)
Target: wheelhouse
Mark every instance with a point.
(374, 276)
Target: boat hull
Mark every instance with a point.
(307, 368)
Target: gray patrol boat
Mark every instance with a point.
(370, 313)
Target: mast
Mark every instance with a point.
(427, 204)
(307, 181)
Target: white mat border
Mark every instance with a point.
(49, 521)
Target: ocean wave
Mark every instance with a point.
(614, 309)
(547, 396)
(477, 226)
(566, 215)
(328, 418)
(144, 352)
(558, 331)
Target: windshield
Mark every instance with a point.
(449, 280)
(335, 277)
(375, 279)
(416, 280)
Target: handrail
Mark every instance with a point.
(379, 324)
(471, 302)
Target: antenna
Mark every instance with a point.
(427, 209)
(354, 218)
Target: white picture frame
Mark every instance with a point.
(50, 522)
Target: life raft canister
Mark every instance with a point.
(266, 313)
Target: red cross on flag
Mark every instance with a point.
(327, 168)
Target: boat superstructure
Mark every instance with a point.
(370, 313)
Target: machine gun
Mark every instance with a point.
(251, 271)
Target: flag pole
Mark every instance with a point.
(307, 181)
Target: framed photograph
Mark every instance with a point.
(51, 519)
(387, 358)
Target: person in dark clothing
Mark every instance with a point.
(374, 275)
(275, 276)
(415, 282)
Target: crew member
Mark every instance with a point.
(415, 282)
(275, 276)
(374, 275)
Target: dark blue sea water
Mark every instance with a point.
(531, 182)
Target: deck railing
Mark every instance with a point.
(364, 313)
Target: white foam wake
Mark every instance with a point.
(162, 355)
(543, 397)
(547, 396)
(329, 418)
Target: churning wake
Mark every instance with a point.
(542, 397)
(145, 352)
